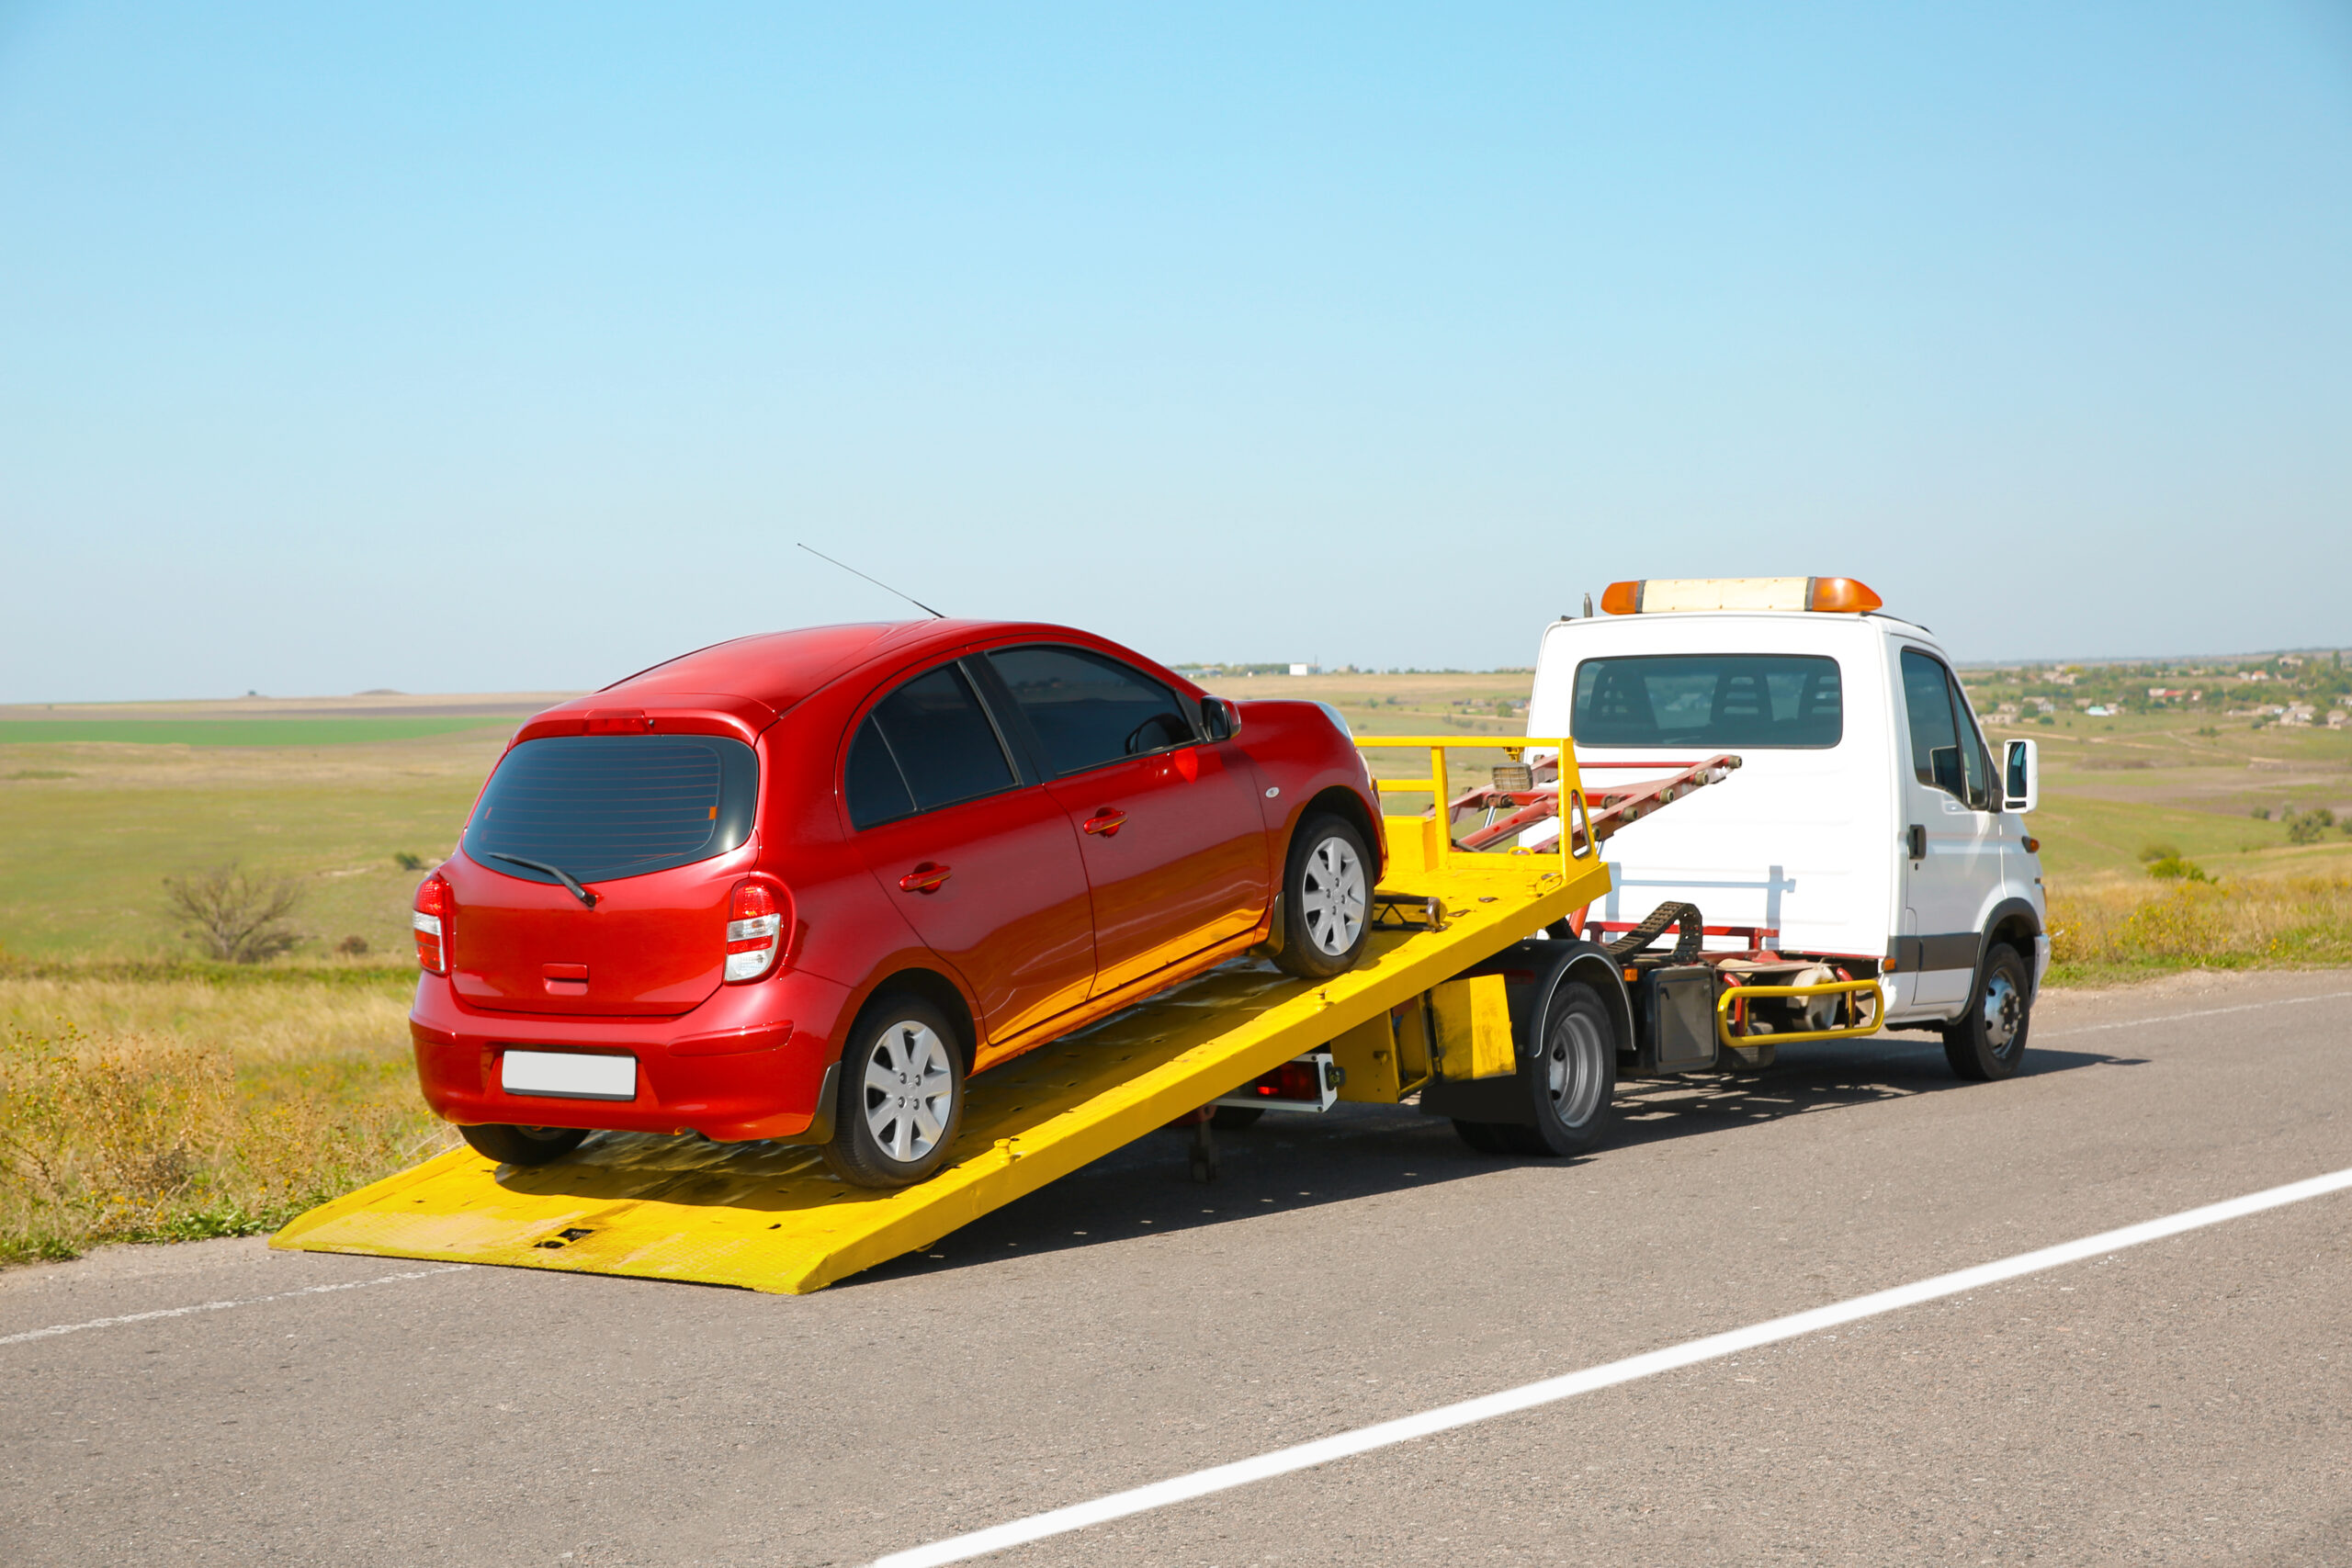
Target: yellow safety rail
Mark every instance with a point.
(1439, 848)
(1829, 988)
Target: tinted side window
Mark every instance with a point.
(1708, 699)
(946, 748)
(876, 790)
(1935, 741)
(1088, 710)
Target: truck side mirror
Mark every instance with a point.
(2021, 777)
(1219, 720)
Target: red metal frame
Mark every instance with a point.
(1610, 808)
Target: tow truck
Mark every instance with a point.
(1496, 910)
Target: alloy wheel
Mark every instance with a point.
(909, 1090)
(1333, 896)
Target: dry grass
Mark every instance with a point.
(2116, 931)
(179, 1105)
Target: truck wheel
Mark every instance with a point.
(1233, 1118)
(901, 1096)
(523, 1146)
(1988, 1041)
(1571, 1082)
(1576, 1075)
(1326, 899)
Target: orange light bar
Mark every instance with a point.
(1832, 594)
(1842, 595)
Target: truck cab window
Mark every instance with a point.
(1711, 700)
(1944, 755)
(1976, 762)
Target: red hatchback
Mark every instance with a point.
(801, 887)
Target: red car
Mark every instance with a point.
(801, 887)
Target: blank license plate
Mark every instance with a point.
(568, 1075)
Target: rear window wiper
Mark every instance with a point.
(585, 897)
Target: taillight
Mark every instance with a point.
(431, 922)
(754, 924)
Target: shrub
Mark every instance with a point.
(2172, 868)
(2161, 849)
(2261, 813)
(356, 946)
(2309, 827)
(236, 918)
(407, 861)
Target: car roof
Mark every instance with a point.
(779, 668)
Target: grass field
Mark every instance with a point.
(144, 1095)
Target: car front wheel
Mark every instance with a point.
(1326, 899)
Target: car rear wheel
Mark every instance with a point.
(1326, 899)
(523, 1146)
(1988, 1041)
(901, 1096)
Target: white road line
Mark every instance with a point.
(220, 1306)
(1282, 1461)
(2205, 1012)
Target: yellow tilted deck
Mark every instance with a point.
(773, 1218)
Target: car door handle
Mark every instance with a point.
(1105, 823)
(1917, 838)
(925, 878)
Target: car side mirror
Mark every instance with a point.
(1220, 720)
(2021, 777)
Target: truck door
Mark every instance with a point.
(1950, 850)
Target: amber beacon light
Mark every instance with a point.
(1647, 595)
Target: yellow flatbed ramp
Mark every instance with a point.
(772, 1218)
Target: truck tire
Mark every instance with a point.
(1987, 1043)
(522, 1145)
(1571, 1080)
(1326, 898)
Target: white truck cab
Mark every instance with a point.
(1868, 825)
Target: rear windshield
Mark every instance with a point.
(604, 807)
(1709, 700)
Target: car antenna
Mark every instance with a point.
(878, 582)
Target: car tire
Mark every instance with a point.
(1987, 1043)
(1326, 898)
(901, 1095)
(523, 1146)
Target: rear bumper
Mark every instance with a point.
(745, 1064)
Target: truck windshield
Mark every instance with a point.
(1709, 700)
(606, 807)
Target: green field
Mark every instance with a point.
(90, 827)
(144, 1095)
(238, 731)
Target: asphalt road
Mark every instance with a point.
(2188, 1401)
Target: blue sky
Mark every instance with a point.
(482, 349)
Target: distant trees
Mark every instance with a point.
(233, 917)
